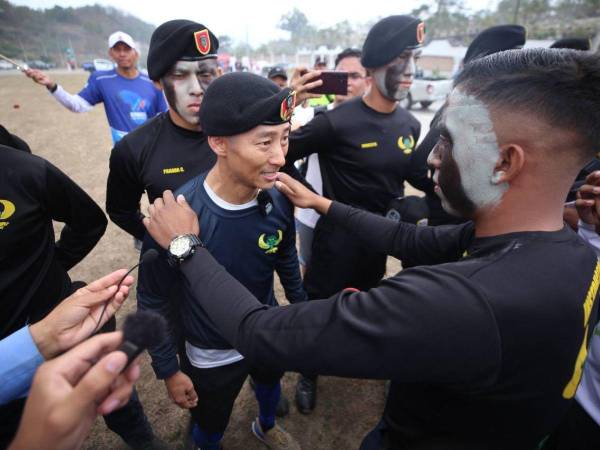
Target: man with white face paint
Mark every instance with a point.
(364, 147)
(489, 41)
(171, 148)
(485, 338)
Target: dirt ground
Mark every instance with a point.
(79, 144)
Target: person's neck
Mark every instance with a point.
(128, 72)
(376, 101)
(226, 188)
(181, 123)
(518, 213)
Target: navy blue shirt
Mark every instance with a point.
(248, 244)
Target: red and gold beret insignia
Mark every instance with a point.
(287, 106)
(421, 32)
(202, 40)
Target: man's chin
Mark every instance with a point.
(446, 206)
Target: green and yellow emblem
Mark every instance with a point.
(406, 144)
(269, 243)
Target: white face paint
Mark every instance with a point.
(394, 79)
(474, 148)
(184, 86)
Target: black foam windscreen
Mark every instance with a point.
(142, 330)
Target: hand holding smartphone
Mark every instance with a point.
(333, 83)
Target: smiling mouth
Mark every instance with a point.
(271, 176)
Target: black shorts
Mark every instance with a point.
(217, 389)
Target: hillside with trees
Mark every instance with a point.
(30, 34)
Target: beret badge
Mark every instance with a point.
(421, 32)
(287, 106)
(202, 40)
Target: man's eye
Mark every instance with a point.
(264, 143)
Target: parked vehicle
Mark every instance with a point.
(98, 64)
(38, 64)
(426, 90)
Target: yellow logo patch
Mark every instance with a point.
(172, 170)
(8, 209)
(406, 144)
(269, 243)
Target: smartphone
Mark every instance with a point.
(333, 83)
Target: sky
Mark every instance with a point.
(253, 21)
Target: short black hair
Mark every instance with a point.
(348, 53)
(559, 86)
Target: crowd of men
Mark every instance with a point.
(484, 334)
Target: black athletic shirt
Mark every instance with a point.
(482, 346)
(364, 155)
(154, 157)
(33, 267)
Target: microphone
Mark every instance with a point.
(142, 330)
(265, 203)
(148, 256)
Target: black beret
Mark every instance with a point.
(237, 102)
(179, 39)
(496, 39)
(389, 38)
(573, 43)
(277, 71)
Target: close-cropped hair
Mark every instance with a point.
(558, 86)
(348, 53)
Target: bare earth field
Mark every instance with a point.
(79, 144)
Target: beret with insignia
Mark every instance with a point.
(572, 43)
(494, 40)
(389, 38)
(237, 102)
(179, 40)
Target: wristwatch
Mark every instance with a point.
(182, 247)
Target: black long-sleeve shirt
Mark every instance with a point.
(154, 157)
(33, 267)
(365, 156)
(483, 348)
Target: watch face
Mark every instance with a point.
(180, 246)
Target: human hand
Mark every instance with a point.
(587, 203)
(181, 390)
(300, 195)
(76, 317)
(170, 218)
(301, 84)
(39, 77)
(69, 391)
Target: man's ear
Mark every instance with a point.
(218, 144)
(509, 165)
(219, 71)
